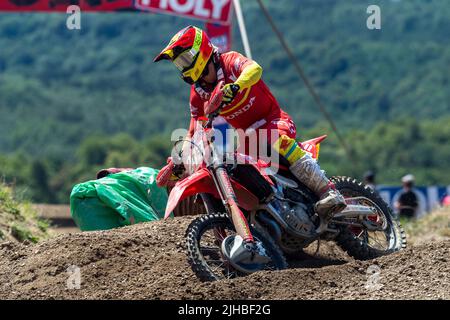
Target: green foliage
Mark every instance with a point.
(99, 152)
(393, 150)
(18, 221)
(59, 86)
(390, 149)
(7, 203)
(22, 234)
(72, 102)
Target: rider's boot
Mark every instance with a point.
(307, 170)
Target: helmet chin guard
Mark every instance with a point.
(189, 50)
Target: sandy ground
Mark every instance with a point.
(148, 261)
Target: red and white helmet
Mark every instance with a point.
(190, 51)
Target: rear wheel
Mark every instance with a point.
(362, 243)
(204, 238)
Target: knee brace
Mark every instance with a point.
(288, 148)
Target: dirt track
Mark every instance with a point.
(148, 261)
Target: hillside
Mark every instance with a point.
(58, 86)
(72, 102)
(19, 222)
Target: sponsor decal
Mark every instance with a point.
(216, 11)
(241, 110)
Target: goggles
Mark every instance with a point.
(189, 80)
(185, 60)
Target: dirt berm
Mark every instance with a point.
(148, 261)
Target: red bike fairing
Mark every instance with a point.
(202, 182)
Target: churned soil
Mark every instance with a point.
(148, 261)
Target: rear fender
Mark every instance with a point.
(313, 146)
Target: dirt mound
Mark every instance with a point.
(148, 261)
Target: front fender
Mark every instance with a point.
(199, 182)
(202, 182)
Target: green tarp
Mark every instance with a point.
(118, 200)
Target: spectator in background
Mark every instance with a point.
(407, 203)
(369, 180)
(446, 200)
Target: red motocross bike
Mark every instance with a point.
(247, 198)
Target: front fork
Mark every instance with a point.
(229, 199)
(228, 196)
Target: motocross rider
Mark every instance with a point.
(248, 104)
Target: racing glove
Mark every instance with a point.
(230, 91)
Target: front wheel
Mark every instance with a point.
(204, 239)
(362, 243)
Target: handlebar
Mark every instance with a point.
(212, 116)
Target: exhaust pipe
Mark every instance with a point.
(354, 211)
